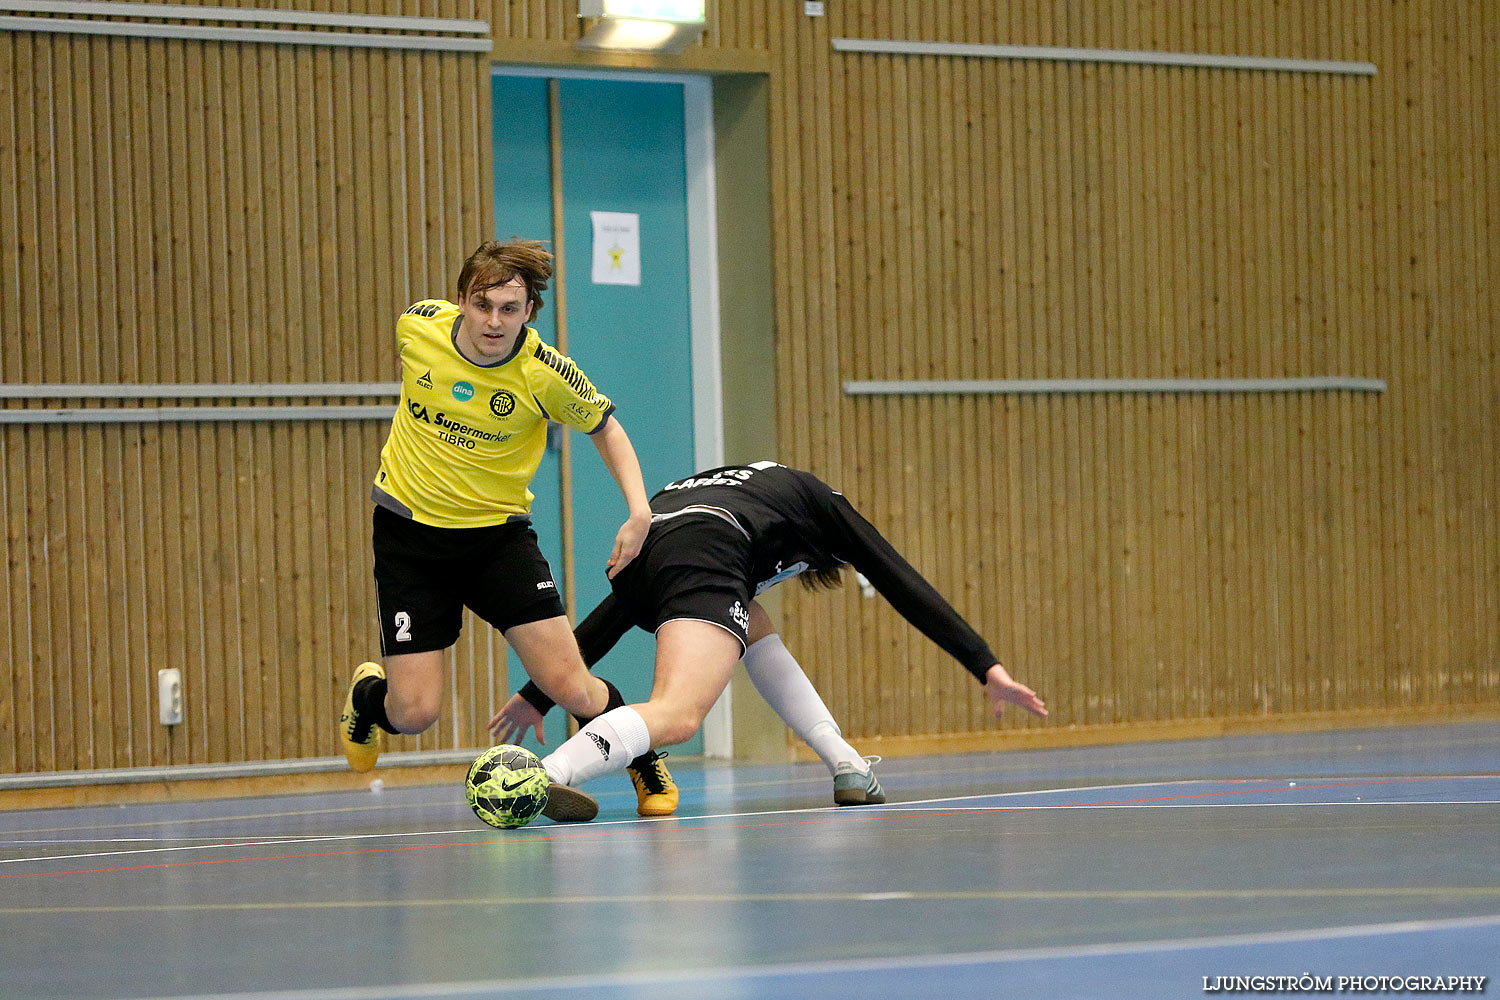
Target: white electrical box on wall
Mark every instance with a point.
(169, 695)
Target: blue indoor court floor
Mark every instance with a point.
(1169, 869)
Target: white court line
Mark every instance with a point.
(859, 966)
(589, 826)
(1300, 784)
(1303, 784)
(234, 845)
(466, 832)
(80, 841)
(234, 818)
(916, 806)
(222, 845)
(1216, 805)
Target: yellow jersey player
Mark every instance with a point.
(452, 506)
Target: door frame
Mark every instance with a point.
(703, 296)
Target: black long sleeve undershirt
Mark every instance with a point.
(857, 542)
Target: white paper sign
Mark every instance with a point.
(617, 248)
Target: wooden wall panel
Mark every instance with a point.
(182, 212)
(179, 211)
(1166, 557)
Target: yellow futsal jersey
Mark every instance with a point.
(466, 438)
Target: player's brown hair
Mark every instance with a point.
(495, 263)
(831, 578)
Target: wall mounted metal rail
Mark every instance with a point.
(1032, 387)
(364, 30)
(248, 769)
(194, 414)
(1051, 53)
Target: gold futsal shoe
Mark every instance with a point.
(360, 736)
(655, 791)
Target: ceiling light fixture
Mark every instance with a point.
(667, 26)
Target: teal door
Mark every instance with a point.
(523, 208)
(623, 151)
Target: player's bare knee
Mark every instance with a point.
(413, 716)
(678, 725)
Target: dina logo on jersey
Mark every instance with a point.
(463, 391)
(502, 404)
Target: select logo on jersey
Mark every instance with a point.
(741, 616)
(425, 381)
(463, 391)
(502, 404)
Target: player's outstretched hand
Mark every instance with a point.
(628, 542)
(1002, 688)
(510, 723)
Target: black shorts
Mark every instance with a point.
(425, 576)
(693, 566)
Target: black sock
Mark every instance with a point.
(369, 701)
(616, 700)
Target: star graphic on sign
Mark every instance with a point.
(615, 253)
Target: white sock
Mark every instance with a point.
(780, 680)
(606, 744)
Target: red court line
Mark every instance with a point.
(269, 857)
(823, 818)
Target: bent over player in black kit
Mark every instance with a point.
(717, 539)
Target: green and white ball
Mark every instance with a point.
(507, 786)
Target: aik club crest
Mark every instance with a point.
(502, 403)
